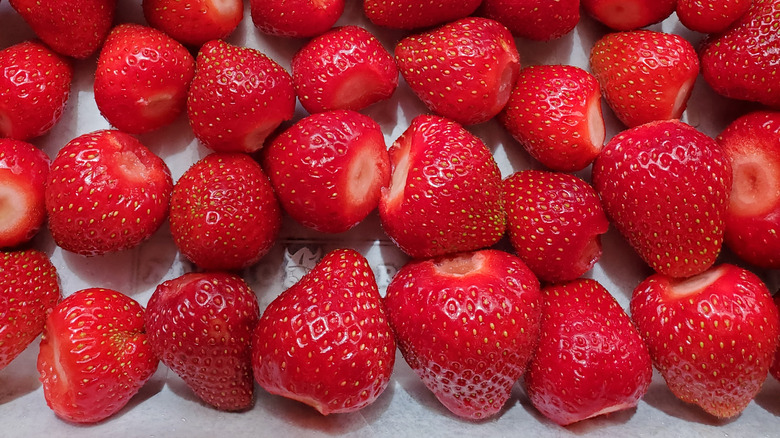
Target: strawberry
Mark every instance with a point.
(645, 75)
(94, 355)
(445, 191)
(194, 22)
(328, 169)
(555, 222)
(74, 28)
(741, 63)
(23, 172)
(346, 68)
(666, 186)
(414, 14)
(590, 360)
(223, 213)
(555, 113)
(534, 19)
(326, 340)
(106, 192)
(712, 336)
(237, 97)
(133, 55)
(295, 18)
(710, 16)
(629, 14)
(774, 370)
(29, 290)
(464, 70)
(467, 325)
(200, 326)
(34, 88)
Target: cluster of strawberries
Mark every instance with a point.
(469, 319)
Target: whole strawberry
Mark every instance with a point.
(238, 97)
(106, 192)
(326, 341)
(710, 16)
(34, 88)
(629, 14)
(666, 187)
(467, 325)
(414, 14)
(23, 173)
(29, 290)
(94, 355)
(534, 19)
(464, 70)
(194, 22)
(590, 360)
(712, 337)
(445, 191)
(295, 18)
(200, 326)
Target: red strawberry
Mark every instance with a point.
(741, 63)
(710, 16)
(467, 325)
(464, 70)
(712, 336)
(590, 360)
(295, 18)
(629, 14)
(645, 75)
(413, 14)
(142, 78)
(555, 222)
(555, 113)
(326, 341)
(194, 22)
(237, 97)
(200, 326)
(29, 291)
(534, 19)
(94, 355)
(346, 68)
(445, 191)
(34, 88)
(106, 192)
(774, 370)
(23, 172)
(666, 186)
(74, 28)
(224, 215)
(328, 169)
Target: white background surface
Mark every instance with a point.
(166, 407)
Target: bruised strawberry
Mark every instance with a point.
(23, 173)
(534, 19)
(629, 14)
(295, 18)
(710, 16)
(413, 14)
(194, 22)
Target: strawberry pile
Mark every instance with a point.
(503, 283)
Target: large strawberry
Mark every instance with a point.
(629, 14)
(413, 14)
(534, 19)
(194, 22)
(23, 173)
(295, 18)
(710, 16)
(666, 187)
(467, 325)
(326, 341)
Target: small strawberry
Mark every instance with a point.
(538, 20)
(464, 70)
(237, 97)
(326, 341)
(555, 222)
(295, 18)
(194, 22)
(645, 75)
(445, 191)
(710, 16)
(29, 290)
(346, 68)
(666, 186)
(223, 213)
(414, 14)
(135, 55)
(94, 355)
(629, 14)
(712, 336)
(555, 113)
(200, 326)
(328, 169)
(106, 192)
(467, 325)
(590, 360)
(34, 88)
(23, 173)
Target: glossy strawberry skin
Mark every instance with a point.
(666, 187)
(774, 370)
(534, 19)
(415, 14)
(23, 172)
(194, 22)
(200, 325)
(712, 337)
(295, 18)
(467, 325)
(326, 341)
(709, 16)
(94, 355)
(625, 15)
